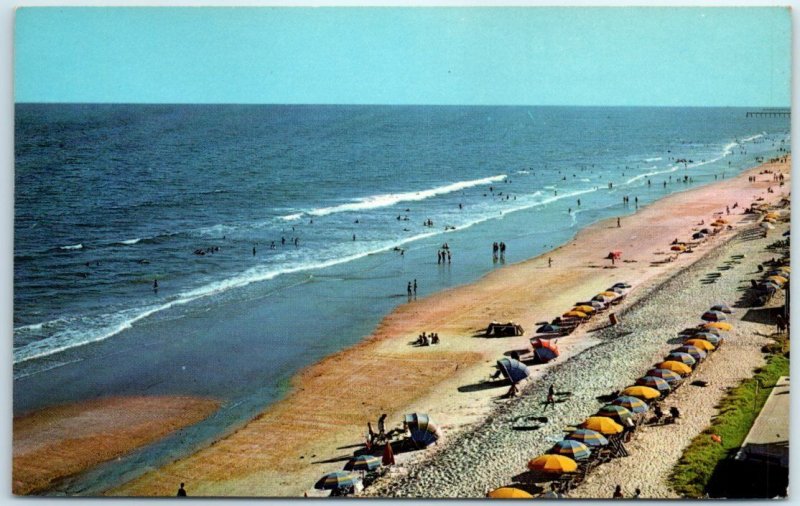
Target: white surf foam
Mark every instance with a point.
(74, 246)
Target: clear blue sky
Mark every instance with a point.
(514, 56)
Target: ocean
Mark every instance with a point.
(280, 234)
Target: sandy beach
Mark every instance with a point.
(316, 428)
(324, 419)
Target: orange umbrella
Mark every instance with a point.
(641, 392)
(678, 247)
(602, 424)
(609, 293)
(551, 463)
(584, 309)
(718, 325)
(575, 314)
(674, 366)
(509, 493)
(700, 343)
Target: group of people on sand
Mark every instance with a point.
(427, 339)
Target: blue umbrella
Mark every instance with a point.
(548, 329)
(513, 370)
(572, 449)
(588, 437)
(423, 431)
(721, 306)
(632, 404)
(659, 384)
(364, 463)
(336, 480)
(544, 355)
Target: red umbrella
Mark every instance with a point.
(388, 455)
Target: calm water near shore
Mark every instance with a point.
(111, 197)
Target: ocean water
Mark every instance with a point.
(109, 198)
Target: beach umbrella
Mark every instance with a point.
(678, 247)
(684, 358)
(588, 437)
(784, 268)
(718, 325)
(363, 463)
(604, 298)
(675, 366)
(584, 308)
(513, 370)
(694, 351)
(617, 289)
(698, 235)
(544, 351)
(659, 384)
(723, 307)
(642, 392)
(710, 330)
(700, 343)
(782, 274)
(336, 480)
(575, 314)
(423, 431)
(602, 424)
(508, 493)
(572, 449)
(714, 316)
(665, 374)
(632, 404)
(621, 414)
(767, 225)
(622, 284)
(555, 464)
(779, 280)
(705, 230)
(769, 220)
(609, 293)
(548, 329)
(722, 220)
(708, 336)
(769, 286)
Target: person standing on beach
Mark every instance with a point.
(619, 225)
(448, 256)
(551, 397)
(618, 493)
(415, 287)
(409, 289)
(181, 491)
(549, 261)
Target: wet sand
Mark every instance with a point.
(61, 441)
(323, 420)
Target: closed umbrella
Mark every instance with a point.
(508, 493)
(684, 358)
(642, 392)
(700, 343)
(589, 437)
(513, 370)
(676, 367)
(694, 351)
(714, 316)
(555, 464)
(602, 424)
(572, 449)
(632, 404)
(665, 374)
(659, 384)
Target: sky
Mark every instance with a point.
(453, 56)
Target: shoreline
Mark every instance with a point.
(429, 375)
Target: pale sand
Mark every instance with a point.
(326, 413)
(61, 441)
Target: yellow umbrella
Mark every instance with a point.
(784, 268)
(609, 294)
(778, 279)
(675, 366)
(718, 325)
(772, 215)
(641, 392)
(509, 493)
(700, 343)
(551, 463)
(574, 314)
(584, 309)
(602, 424)
(678, 247)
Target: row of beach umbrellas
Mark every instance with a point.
(585, 310)
(592, 434)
